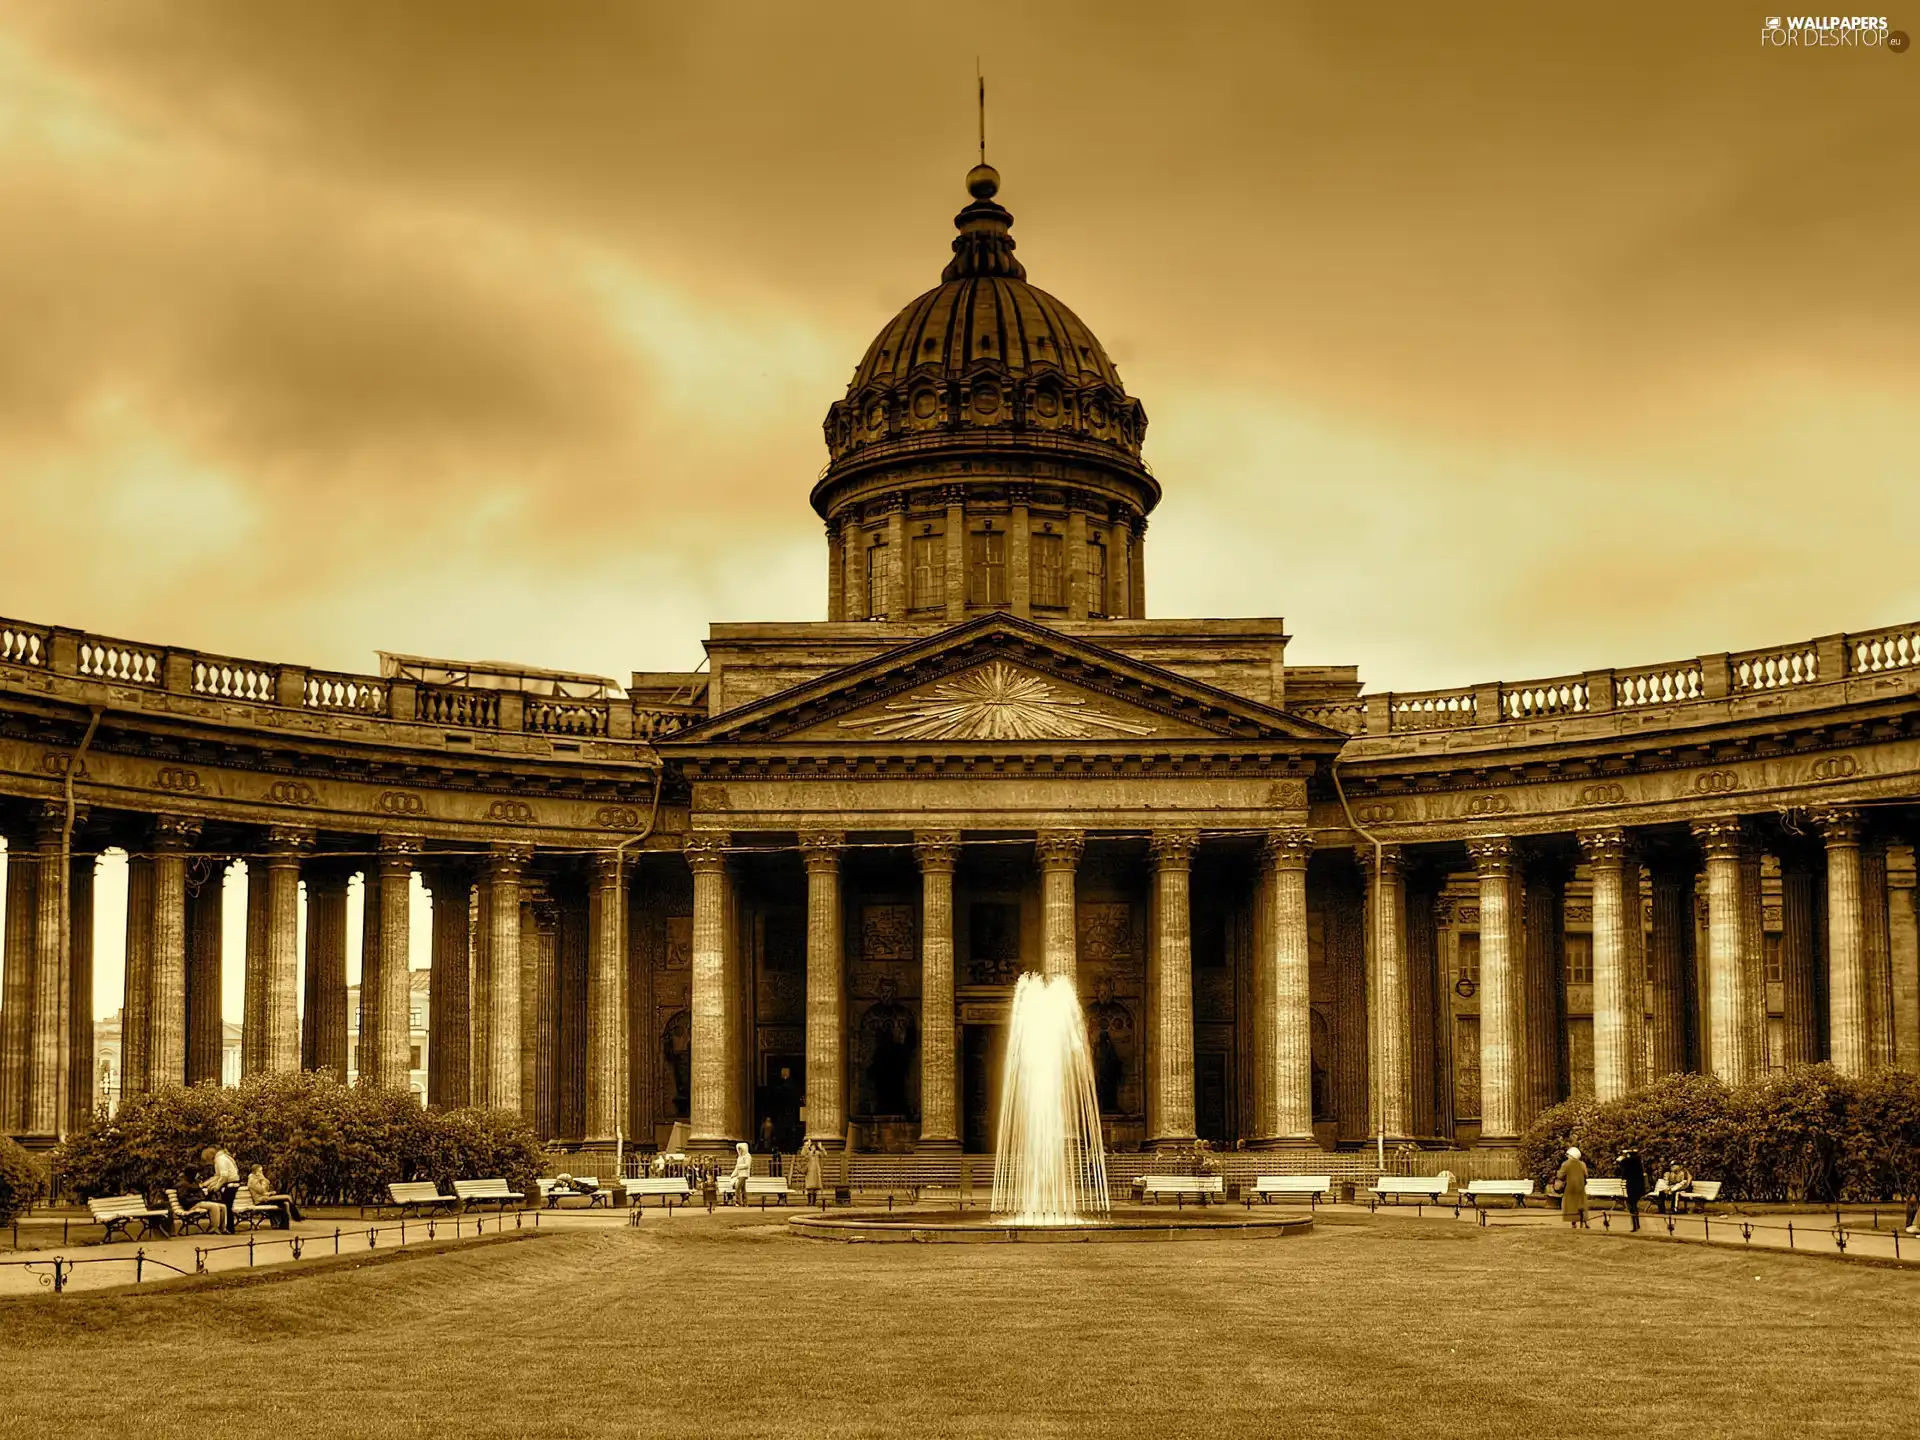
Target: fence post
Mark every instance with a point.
(139, 1263)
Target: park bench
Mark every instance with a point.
(122, 1212)
(1314, 1187)
(253, 1214)
(1428, 1188)
(407, 1196)
(552, 1192)
(1181, 1188)
(1699, 1194)
(668, 1189)
(1514, 1190)
(765, 1187)
(184, 1220)
(492, 1192)
(897, 1179)
(1613, 1190)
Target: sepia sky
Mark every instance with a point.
(1477, 341)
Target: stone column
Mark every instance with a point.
(1076, 543)
(253, 1003)
(135, 1062)
(836, 575)
(1058, 853)
(1753, 951)
(16, 1001)
(505, 867)
(546, 1018)
(1730, 1000)
(899, 572)
(713, 1062)
(327, 969)
(1904, 934)
(530, 1053)
(1426, 1043)
(1170, 994)
(1500, 1039)
(82, 1089)
(46, 1074)
(1137, 583)
(1283, 1034)
(449, 1020)
(393, 1037)
(937, 852)
(606, 999)
(826, 990)
(366, 1049)
(173, 836)
(480, 985)
(1618, 1022)
(1847, 1032)
(1120, 578)
(1670, 968)
(1019, 550)
(206, 930)
(1543, 1005)
(1878, 949)
(1386, 942)
(280, 1004)
(1799, 950)
(955, 498)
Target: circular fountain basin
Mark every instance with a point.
(1124, 1225)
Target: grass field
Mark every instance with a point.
(731, 1328)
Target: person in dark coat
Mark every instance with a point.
(1633, 1178)
(1571, 1181)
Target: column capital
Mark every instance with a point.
(1288, 847)
(1606, 849)
(50, 821)
(175, 832)
(936, 851)
(820, 849)
(609, 866)
(285, 842)
(706, 852)
(397, 854)
(1838, 825)
(1722, 838)
(1172, 849)
(1390, 857)
(1059, 849)
(1492, 855)
(506, 862)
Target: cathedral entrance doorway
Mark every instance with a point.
(983, 1051)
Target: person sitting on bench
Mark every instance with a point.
(1667, 1188)
(260, 1190)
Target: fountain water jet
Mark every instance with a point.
(1049, 1167)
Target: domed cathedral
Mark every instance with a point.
(787, 899)
(986, 456)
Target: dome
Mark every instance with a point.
(984, 358)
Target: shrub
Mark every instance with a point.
(1880, 1152)
(22, 1181)
(317, 1138)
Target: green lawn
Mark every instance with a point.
(731, 1328)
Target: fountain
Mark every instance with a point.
(1049, 1167)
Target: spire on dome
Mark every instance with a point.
(984, 245)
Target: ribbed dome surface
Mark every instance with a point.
(1016, 327)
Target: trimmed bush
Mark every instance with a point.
(1805, 1134)
(318, 1139)
(22, 1181)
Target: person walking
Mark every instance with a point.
(1633, 1178)
(1571, 1179)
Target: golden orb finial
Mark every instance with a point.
(983, 182)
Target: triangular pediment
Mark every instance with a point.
(1002, 682)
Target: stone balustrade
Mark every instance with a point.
(57, 650)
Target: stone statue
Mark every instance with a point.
(1112, 1027)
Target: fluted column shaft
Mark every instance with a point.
(1731, 1002)
(1170, 994)
(1848, 1040)
(1387, 985)
(606, 999)
(1878, 949)
(47, 1075)
(173, 835)
(449, 1020)
(1798, 954)
(505, 868)
(1617, 1006)
(937, 853)
(1283, 1022)
(394, 1033)
(546, 1019)
(327, 970)
(1058, 853)
(1542, 945)
(1670, 967)
(280, 991)
(366, 1048)
(826, 990)
(206, 1033)
(1753, 951)
(137, 1006)
(81, 1089)
(1500, 994)
(531, 1053)
(712, 1039)
(1904, 937)
(16, 1001)
(255, 967)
